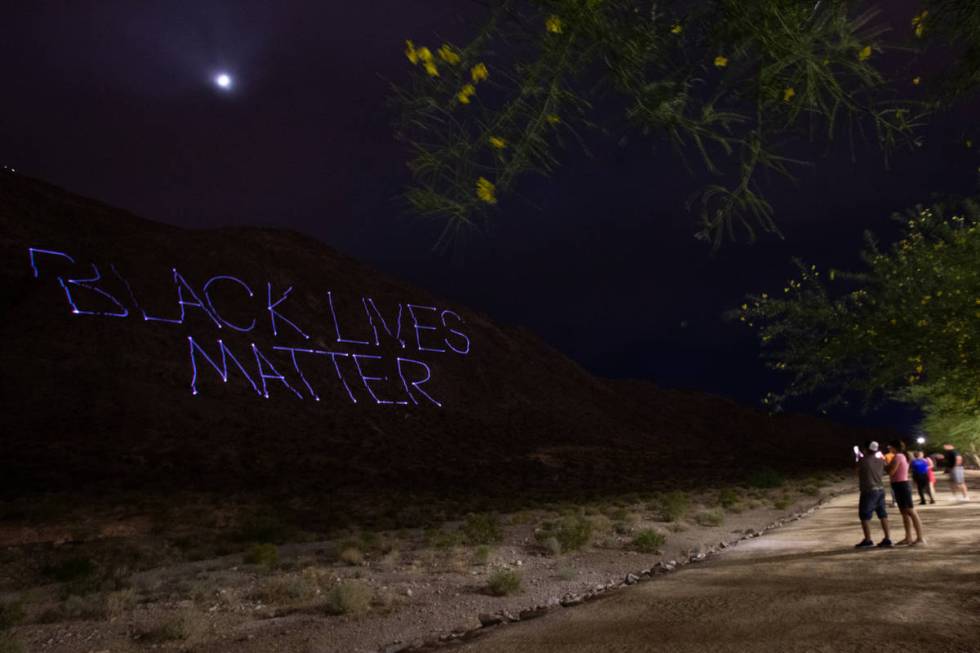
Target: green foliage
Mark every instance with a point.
(482, 528)
(907, 327)
(571, 532)
(674, 505)
(503, 582)
(648, 541)
(265, 555)
(11, 614)
(71, 570)
(713, 517)
(352, 556)
(481, 556)
(731, 82)
(8, 644)
(348, 598)
(766, 477)
(728, 497)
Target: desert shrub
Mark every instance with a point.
(352, 556)
(71, 570)
(90, 607)
(11, 614)
(782, 503)
(810, 490)
(285, 590)
(264, 529)
(503, 582)
(482, 528)
(265, 555)
(117, 603)
(567, 573)
(766, 477)
(728, 497)
(8, 644)
(348, 598)
(551, 545)
(481, 555)
(648, 541)
(573, 532)
(674, 505)
(712, 517)
(171, 630)
(443, 539)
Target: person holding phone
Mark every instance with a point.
(898, 472)
(870, 468)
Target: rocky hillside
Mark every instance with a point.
(141, 356)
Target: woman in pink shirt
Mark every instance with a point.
(898, 472)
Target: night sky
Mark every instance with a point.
(115, 100)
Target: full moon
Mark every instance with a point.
(223, 81)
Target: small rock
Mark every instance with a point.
(487, 620)
(568, 601)
(632, 579)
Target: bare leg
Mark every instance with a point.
(963, 489)
(884, 527)
(918, 527)
(907, 523)
(866, 527)
(932, 493)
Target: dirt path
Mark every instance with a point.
(802, 588)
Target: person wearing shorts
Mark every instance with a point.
(870, 467)
(953, 462)
(898, 472)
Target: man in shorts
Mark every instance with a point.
(953, 462)
(870, 468)
(898, 472)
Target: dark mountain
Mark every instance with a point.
(106, 315)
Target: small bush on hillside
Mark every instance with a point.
(710, 517)
(766, 478)
(265, 555)
(572, 532)
(782, 503)
(504, 582)
(482, 528)
(71, 570)
(11, 614)
(481, 555)
(728, 497)
(648, 541)
(352, 556)
(674, 505)
(10, 645)
(348, 598)
(551, 545)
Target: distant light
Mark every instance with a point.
(920, 440)
(223, 81)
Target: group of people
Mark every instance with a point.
(899, 464)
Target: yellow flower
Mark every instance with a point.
(431, 69)
(479, 72)
(721, 61)
(498, 142)
(788, 94)
(466, 93)
(552, 119)
(676, 29)
(486, 191)
(916, 80)
(447, 54)
(411, 53)
(919, 23)
(553, 24)
(424, 54)
(865, 53)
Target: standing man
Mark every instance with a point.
(953, 462)
(898, 472)
(920, 472)
(869, 469)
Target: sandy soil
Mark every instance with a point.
(799, 588)
(420, 593)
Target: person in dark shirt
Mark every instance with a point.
(870, 468)
(953, 463)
